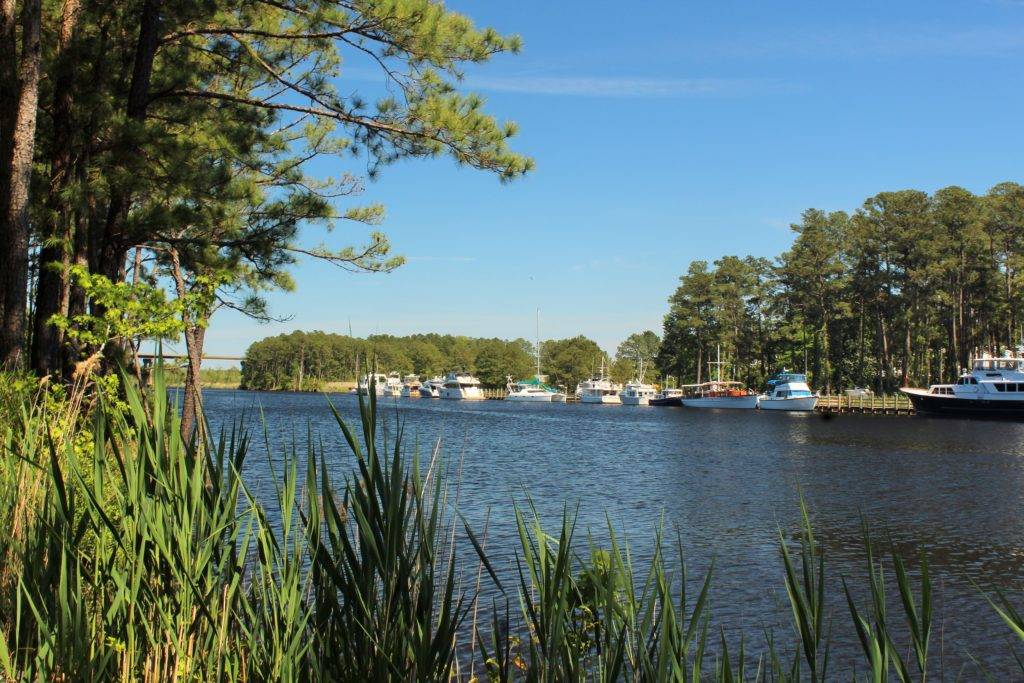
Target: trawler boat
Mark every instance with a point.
(637, 393)
(788, 391)
(462, 386)
(599, 389)
(720, 393)
(393, 385)
(667, 397)
(532, 391)
(432, 387)
(411, 386)
(379, 381)
(994, 387)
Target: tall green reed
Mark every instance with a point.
(142, 557)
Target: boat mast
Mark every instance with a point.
(538, 344)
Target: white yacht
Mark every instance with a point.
(636, 393)
(599, 389)
(379, 381)
(788, 391)
(720, 393)
(994, 387)
(431, 388)
(393, 385)
(532, 391)
(462, 386)
(411, 386)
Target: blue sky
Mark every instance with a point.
(665, 132)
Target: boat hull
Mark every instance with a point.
(429, 393)
(729, 402)
(531, 398)
(606, 400)
(461, 395)
(956, 406)
(635, 400)
(804, 404)
(663, 402)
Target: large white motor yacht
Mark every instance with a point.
(393, 385)
(379, 381)
(431, 388)
(994, 387)
(462, 386)
(637, 393)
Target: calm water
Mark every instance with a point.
(727, 481)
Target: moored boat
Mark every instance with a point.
(532, 391)
(720, 393)
(393, 385)
(637, 393)
(788, 391)
(599, 389)
(431, 388)
(994, 387)
(377, 379)
(667, 397)
(411, 386)
(462, 386)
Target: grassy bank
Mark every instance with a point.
(132, 555)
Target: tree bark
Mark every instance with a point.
(53, 289)
(19, 146)
(114, 244)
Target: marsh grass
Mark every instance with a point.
(129, 554)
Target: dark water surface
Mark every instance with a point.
(727, 481)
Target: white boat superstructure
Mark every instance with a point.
(788, 391)
(462, 386)
(637, 393)
(599, 389)
(393, 385)
(411, 386)
(379, 381)
(431, 388)
(994, 387)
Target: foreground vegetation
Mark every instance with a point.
(133, 555)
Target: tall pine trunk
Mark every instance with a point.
(18, 146)
(56, 255)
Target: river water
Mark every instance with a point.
(727, 482)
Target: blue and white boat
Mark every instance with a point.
(788, 391)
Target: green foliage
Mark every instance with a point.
(133, 555)
(903, 290)
(306, 360)
(127, 311)
(566, 362)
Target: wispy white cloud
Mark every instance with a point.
(629, 87)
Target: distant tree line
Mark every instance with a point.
(305, 361)
(902, 291)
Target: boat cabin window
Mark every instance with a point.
(967, 380)
(1009, 386)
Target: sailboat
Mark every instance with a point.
(533, 390)
(719, 393)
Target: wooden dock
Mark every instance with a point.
(897, 404)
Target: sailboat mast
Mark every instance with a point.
(538, 344)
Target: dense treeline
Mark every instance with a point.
(307, 360)
(901, 291)
(155, 158)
